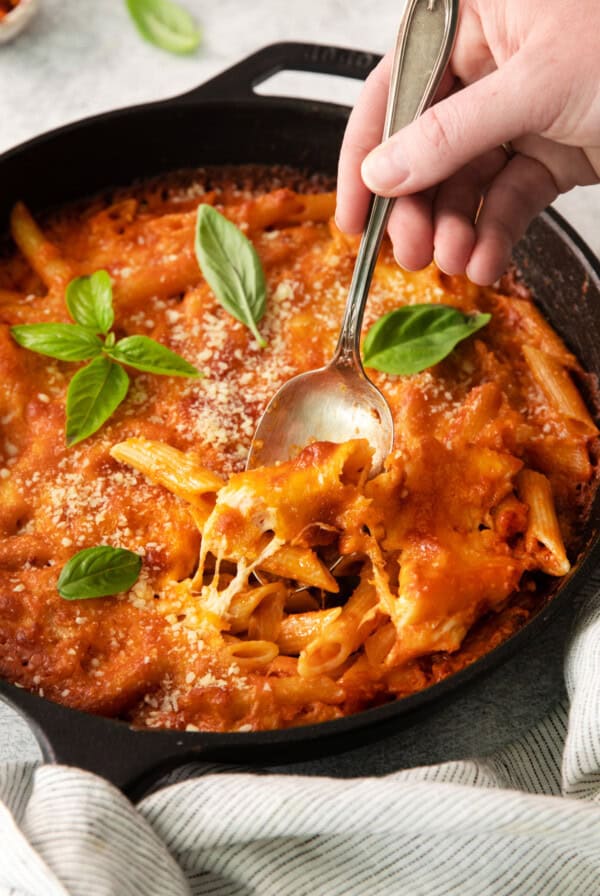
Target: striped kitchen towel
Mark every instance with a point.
(524, 822)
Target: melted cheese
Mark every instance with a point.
(435, 545)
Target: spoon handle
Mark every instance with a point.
(423, 48)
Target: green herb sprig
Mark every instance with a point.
(98, 572)
(415, 337)
(165, 24)
(98, 389)
(232, 268)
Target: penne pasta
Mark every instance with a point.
(301, 565)
(42, 255)
(250, 655)
(168, 466)
(161, 275)
(265, 621)
(554, 380)
(539, 333)
(480, 409)
(566, 457)
(299, 629)
(380, 643)
(332, 646)
(283, 207)
(543, 530)
(301, 691)
(314, 207)
(246, 603)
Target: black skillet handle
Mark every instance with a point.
(239, 81)
(131, 759)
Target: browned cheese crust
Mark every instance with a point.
(454, 498)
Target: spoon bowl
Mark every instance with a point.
(332, 404)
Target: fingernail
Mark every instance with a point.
(402, 265)
(384, 169)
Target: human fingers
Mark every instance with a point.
(456, 205)
(363, 132)
(470, 122)
(522, 189)
(411, 231)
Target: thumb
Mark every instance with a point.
(501, 106)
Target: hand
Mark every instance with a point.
(524, 72)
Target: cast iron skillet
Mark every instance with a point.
(224, 121)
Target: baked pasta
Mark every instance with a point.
(291, 594)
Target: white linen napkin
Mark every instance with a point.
(524, 821)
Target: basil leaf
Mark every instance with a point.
(165, 24)
(415, 337)
(144, 353)
(94, 393)
(66, 342)
(89, 300)
(98, 572)
(231, 267)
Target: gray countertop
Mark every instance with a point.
(80, 57)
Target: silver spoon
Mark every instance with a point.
(338, 402)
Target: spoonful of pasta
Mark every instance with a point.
(338, 402)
